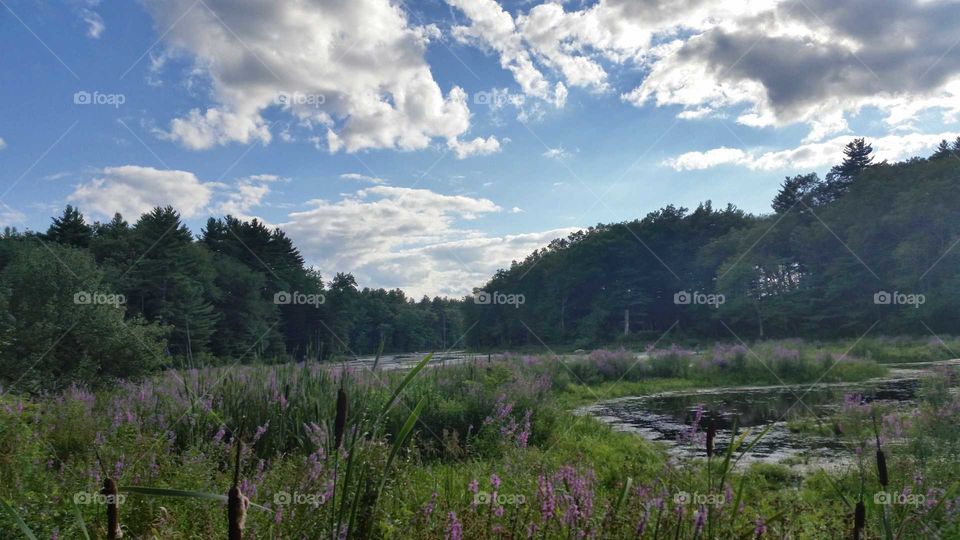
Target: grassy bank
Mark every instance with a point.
(481, 450)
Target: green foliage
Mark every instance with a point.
(62, 323)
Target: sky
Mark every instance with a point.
(425, 144)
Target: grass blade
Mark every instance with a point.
(16, 517)
(80, 523)
(398, 443)
(404, 383)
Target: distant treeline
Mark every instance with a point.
(97, 301)
(871, 244)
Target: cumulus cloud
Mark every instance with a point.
(810, 156)
(415, 239)
(356, 177)
(354, 70)
(477, 147)
(133, 190)
(772, 62)
(814, 63)
(247, 193)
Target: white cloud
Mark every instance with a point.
(556, 153)
(10, 217)
(356, 177)
(133, 190)
(811, 155)
(414, 239)
(354, 70)
(770, 61)
(477, 147)
(247, 194)
(85, 10)
(3, 143)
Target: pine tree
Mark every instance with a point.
(793, 190)
(943, 151)
(858, 157)
(70, 229)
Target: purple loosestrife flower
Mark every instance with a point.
(454, 527)
(495, 481)
(760, 528)
(699, 521)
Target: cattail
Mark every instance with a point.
(859, 519)
(236, 513)
(882, 468)
(881, 458)
(236, 502)
(113, 512)
(711, 435)
(340, 422)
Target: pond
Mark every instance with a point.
(664, 417)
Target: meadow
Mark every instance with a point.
(484, 449)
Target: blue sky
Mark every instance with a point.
(422, 146)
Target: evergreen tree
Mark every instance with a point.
(70, 229)
(943, 150)
(794, 190)
(857, 158)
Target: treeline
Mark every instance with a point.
(102, 300)
(871, 244)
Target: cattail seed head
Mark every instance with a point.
(340, 422)
(236, 513)
(882, 468)
(113, 511)
(859, 520)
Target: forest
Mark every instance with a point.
(88, 301)
(871, 244)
